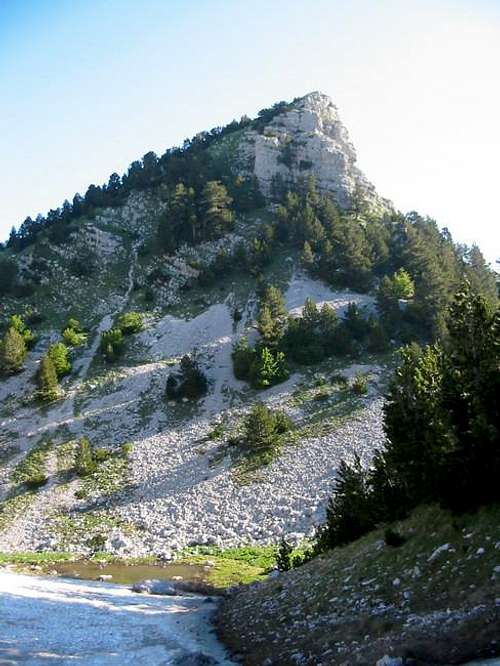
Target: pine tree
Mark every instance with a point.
(59, 355)
(12, 352)
(48, 386)
(307, 257)
(216, 216)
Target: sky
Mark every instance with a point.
(87, 86)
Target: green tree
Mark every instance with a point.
(273, 315)
(8, 274)
(59, 355)
(48, 386)
(12, 352)
(216, 216)
(268, 368)
(112, 343)
(263, 426)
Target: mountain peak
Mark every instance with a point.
(307, 137)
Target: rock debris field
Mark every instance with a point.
(179, 488)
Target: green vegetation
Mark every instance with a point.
(190, 382)
(264, 431)
(13, 351)
(112, 343)
(232, 566)
(85, 462)
(59, 355)
(48, 385)
(73, 334)
(441, 417)
(31, 471)
(130, 322)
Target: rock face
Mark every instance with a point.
(308, 138)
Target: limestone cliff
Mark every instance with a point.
(307, 137)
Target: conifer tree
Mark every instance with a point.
(12, 351)
(48, 386)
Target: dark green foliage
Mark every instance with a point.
(59, 355)
(442, 422)
(350, 512)
(85, 464)
(190, 382)
(112, 343)
(48, 385)
(84, 265)
(273, 315)
(12, 352)
(263, 428)
(243, 356)
(8, 274)
(130, 322)
(393, 538)
(284, 555)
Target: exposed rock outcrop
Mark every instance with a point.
(308, 138)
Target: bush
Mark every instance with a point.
(17, 322)
(73, 334)
(268, 368)
(130, 322)
(243, 357)
(189, 382)
(100, 455)
(112, 343)
(393, 538)
(263, 427)
(284, 556)
(59, 355)
(72, 338)
(85, 464)
(126, 449)
(360, 384)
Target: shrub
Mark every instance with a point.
(100, 455)
(112, 343)
(59, 355)
(393, 538)
(189, 382)
(130, 322)
(263, 427)
(73, 334)
(84, 460)
(360, 384)
(72, 338)
(17, 322)
(284, 555)
(126, 449)
(243, 357)
(268, 368)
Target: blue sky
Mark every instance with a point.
(89, 85)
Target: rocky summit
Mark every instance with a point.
(308, 138)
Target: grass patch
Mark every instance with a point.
(232, 566)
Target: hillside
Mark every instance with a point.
(432, 600)
(189, 352)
